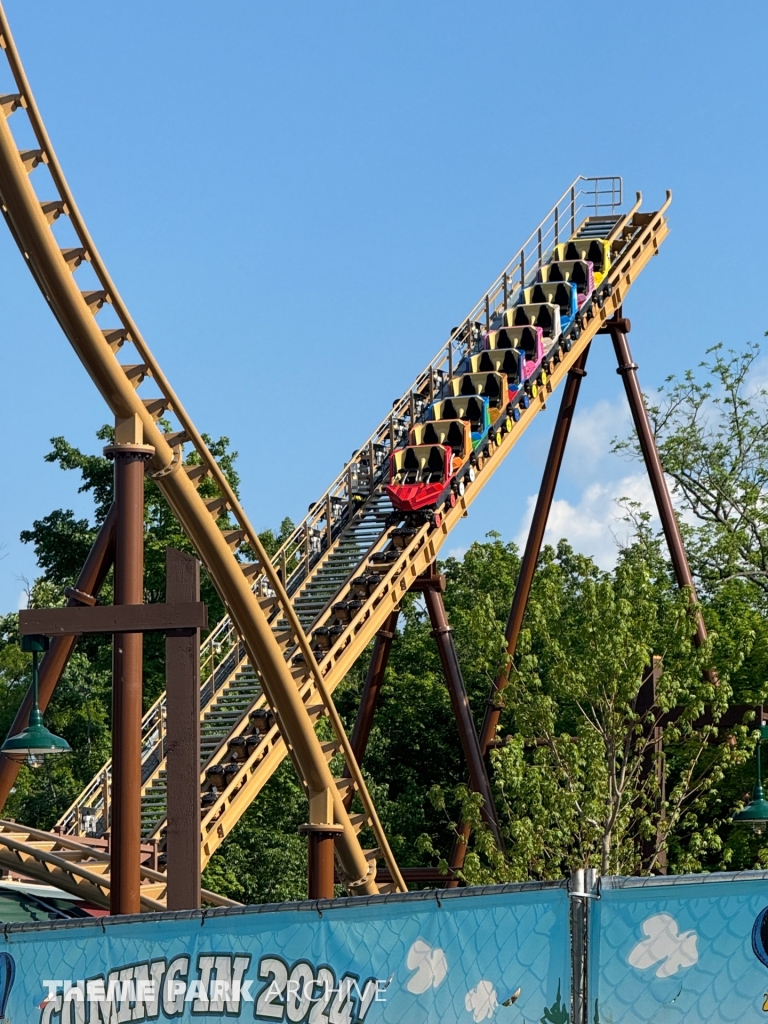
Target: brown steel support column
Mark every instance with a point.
(127, 666)
(535, 538)
(369, 698)
(373, 683)
(320, 860)
(443, 635)
(527, 568)
(182, 687)
(618, 329)
(89, 583)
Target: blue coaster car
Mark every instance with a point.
(474, 409)
(596, 251)
(578, 272)
(562, 294)
(545, 315)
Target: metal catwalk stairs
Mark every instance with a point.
(216, 724)
(297, 622)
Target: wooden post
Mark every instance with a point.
(127, 653)
(182, 682)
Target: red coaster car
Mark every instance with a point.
(423, 475)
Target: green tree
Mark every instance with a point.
(712, 432)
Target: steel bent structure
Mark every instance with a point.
(296, 622)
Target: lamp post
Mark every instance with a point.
(35, 742)
(755, 814)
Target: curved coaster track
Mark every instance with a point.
(298, 621)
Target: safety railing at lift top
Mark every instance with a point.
(221, 651)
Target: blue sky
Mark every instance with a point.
(298, 202)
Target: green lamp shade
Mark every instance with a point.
(755, 813)
(35, 741)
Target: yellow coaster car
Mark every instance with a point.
(578, 272)
(596, 251)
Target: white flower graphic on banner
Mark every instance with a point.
(481, 1001)
(666, 946)
(429, 964)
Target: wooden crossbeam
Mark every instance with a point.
(125, 618)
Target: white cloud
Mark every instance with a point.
(481, 1001)
(758, 377)
(665, 945)
(594, 525)
(429, 964)
(592, 431)
(457, 553)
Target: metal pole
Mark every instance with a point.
(182, 687)
(618, 328)
(535, 537)
(528, 567)
(125, 893)
(88, 585)
(320, 860)
(577, 890)
(443, 635)
(372, 686)
(371, 689)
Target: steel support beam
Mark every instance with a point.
(535, 539)
(369, 698)
(478, 775)
(320, 859)
(89, 583)
(618, 327)
(127, 652)
(182, 687)
(527, 569)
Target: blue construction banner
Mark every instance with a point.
(449, 956)
(692, 948)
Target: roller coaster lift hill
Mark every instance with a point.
(298, 621)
